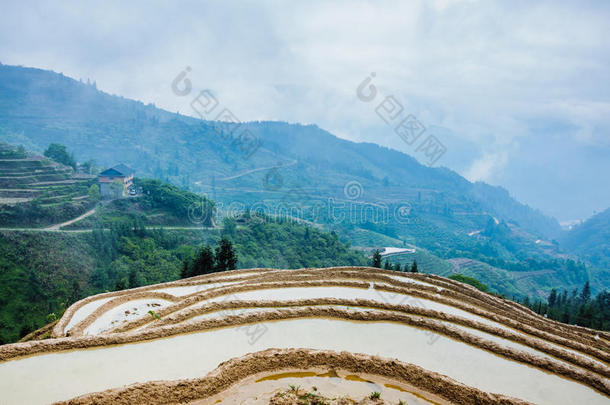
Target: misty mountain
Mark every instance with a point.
(38, 107)
(591, 239)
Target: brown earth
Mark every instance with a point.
(536, 326)
(586, 377)
(573, 341)
(273, 360)
(296, 397)
(175, 320)
(78, 329)
(414, 310)
(459, 291)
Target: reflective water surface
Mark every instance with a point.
(67, 374)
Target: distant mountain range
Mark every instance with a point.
(366, 192)
(38, 107)
(591, 239)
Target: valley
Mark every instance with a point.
(304, 203)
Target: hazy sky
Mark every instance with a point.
(519, 91)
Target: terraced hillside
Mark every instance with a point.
(328, 335)
(36, 190)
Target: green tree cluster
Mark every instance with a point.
(182, 203)
(207, 261)
(577, 307)
(59, 153)
(469, 280)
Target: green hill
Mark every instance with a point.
(591, 239)
(369, 195)
(39, 107)
(281, 170)
(36, 191)
(131, 242)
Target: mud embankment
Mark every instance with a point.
(42, 333)
(227, 291)
(594, 381)
(58, 329)
(228, 306)
(451, 298)
(274, 360)
(543, 331)
(476, 297)
(336, 277)
(517, 309)
(79, 328)
(510, 309)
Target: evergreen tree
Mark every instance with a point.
(185, 272)
(76, 292)
(553, 298)
(132, 279)
(377, 259)
(204, 262)
(564, 298)
(566, 316)
(397, 267)
(573, 296)
(414, 267)
(387, 265)
(585, 295)
(226, 258)
(121, 284)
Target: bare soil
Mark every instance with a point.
(274, 360)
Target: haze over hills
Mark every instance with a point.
(304, 203)
(591, 239)
(367, 193)
(39, 106)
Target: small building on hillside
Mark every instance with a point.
(115, 182)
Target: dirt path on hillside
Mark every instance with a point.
(260, 169)
(57, 226)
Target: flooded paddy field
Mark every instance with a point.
(463, 341)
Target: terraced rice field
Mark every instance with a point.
(247, 336)
(26, 177)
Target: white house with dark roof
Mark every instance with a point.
(115, 181)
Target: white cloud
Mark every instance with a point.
(484, 168)
(484, 70)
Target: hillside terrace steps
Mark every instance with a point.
(226, 312)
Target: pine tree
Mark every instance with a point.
(377, 259)
(204, 263)
(387, 265)
(226, 258)
(397, 267)
(185, 272)
(133, 279)
(76, 292)
(121, 284)
(585, 295)
(553, 298)
(414, 267)
(566, 316)
(564, 297)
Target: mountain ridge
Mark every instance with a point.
(39, 105)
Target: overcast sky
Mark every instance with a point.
(518, 91)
